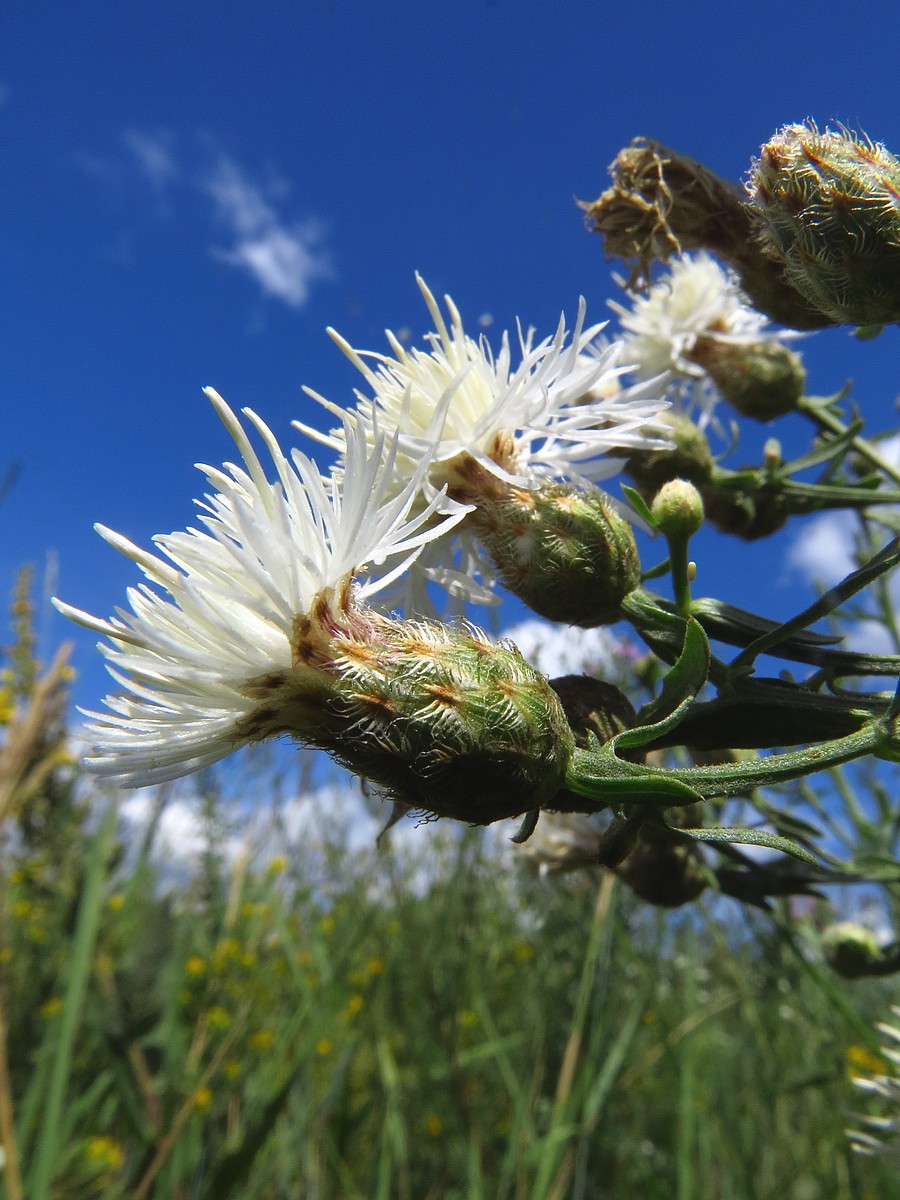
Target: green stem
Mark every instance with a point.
(681, 580)
(48, 1146)
(827, 420)
(605, 777)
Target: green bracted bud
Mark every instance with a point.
(749, 516)
(662, 874)
(851, 950)
(677, 509)
(762, 379)
(827, 209)
(690, 458)
(440, 717)
(593, 708)
(567, 553)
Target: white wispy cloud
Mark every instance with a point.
(284, 257)
(284, 254)
(154, 156)
(823, 550)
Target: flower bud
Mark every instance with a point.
(760, 379)
(749, 516)
(567, 553)
(663, 203)
(441, 718)
(827, 210)
(690, 458)
(677, 509)
(665, 875)
(851, 950)
(593, 708)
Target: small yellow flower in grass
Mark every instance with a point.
(357, 978)
(522, 952)
(860, 1060)
(38, 934)
(262, 1039)
(203, 1099)
(648, 1017)
(195, 966)
(17, 876)
(185, 997)
(218, 1017)
(327, 924)
(393, 928)
(248, 959)
(104, 1152)
(5, 954)
(104, 964)
(467, 1018)
(51, 1007)
(374, 966)
(278, 865)
(353, 1007)
(323, 1047)
(434, 1126)
(21, 909)
(231, 1068)
(228, 948)
(304, 958)
(115, 902)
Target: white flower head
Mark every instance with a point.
(558, 414)
(221, 603)
(696, 299)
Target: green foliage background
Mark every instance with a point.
(330, 1023)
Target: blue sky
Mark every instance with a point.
(192, 193)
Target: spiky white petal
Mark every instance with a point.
(220, 612)
(696, 298)
(561, 409)
(881, 1133)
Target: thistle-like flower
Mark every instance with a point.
(880, 1134)
(517, 441)
(557, 415)
(265, 630)
(230, 605)
(696, 324)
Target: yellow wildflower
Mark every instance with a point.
(104, 1152)
(862, 1061)
(51, 1007)
(354, 1006)
(434, 1126)
(262, 1039)
(323, 1047)
(203, 1099)
(218, 1017)
(115, 902)
(195, 966)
